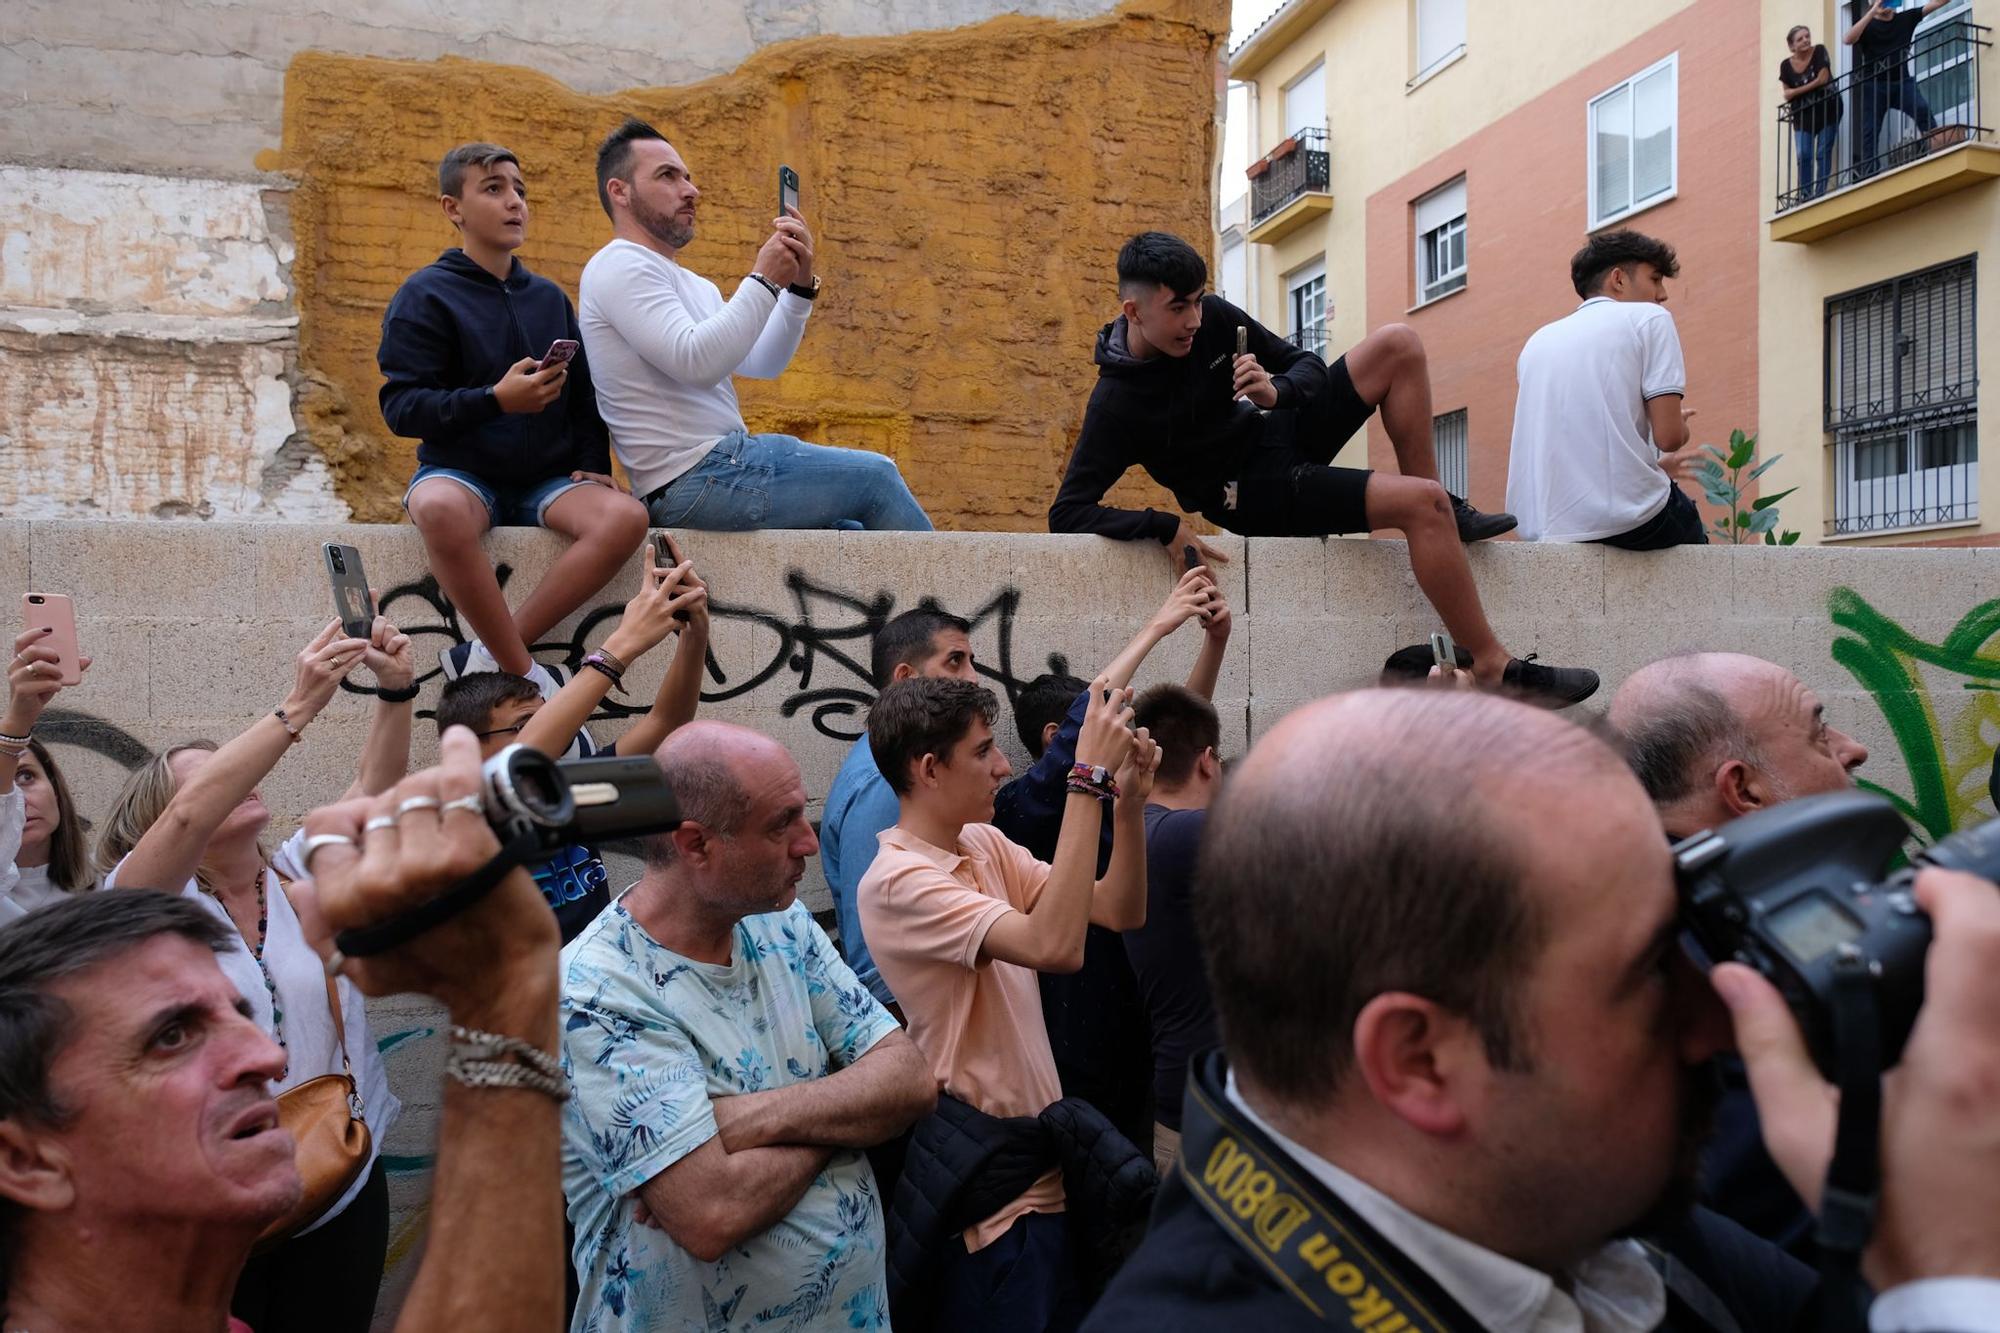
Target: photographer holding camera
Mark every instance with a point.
(142, 1148)
(1458, 1086)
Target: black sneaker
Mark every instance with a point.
(1474, 526)
(1550, 687)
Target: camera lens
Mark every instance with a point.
(339, 565)
(524, 786)
(35, 600)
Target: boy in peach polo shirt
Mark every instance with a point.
(960, 920)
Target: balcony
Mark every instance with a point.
(1311, 340)
(1288, 187)
(1874, 173)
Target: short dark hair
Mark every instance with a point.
(1183, 724)
(1319, 890)
(614, 156)
(1045, 699)
(1618, 249)
(921, 716)
(706, 792)
(58, 941)
(907, 639)
(1161, 259)
(470, 700)
(451, 171)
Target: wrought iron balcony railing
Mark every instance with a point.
(1312, 340)
(1301, 169)
(1879, 116)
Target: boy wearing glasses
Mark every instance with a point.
(504, 709)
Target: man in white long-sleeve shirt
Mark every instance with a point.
(663, 345)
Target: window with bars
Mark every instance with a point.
(1449, 443)
(1902, 401)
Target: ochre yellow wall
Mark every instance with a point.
(969, 190)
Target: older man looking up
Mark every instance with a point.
(1717, 735)
(729, 1069)
(141, 1153)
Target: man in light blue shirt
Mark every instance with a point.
(859, 806)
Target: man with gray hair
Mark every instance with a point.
(729, 1070)
(1716, 735)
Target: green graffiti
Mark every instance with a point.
(1947, 756)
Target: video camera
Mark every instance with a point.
(1802, 892)
(537, 805)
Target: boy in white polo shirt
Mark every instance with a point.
(1599, 432)
(664, 344)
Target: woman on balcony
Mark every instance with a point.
(1812, 109)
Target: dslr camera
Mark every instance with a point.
(1805, 890)
(561, 802)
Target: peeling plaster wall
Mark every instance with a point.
(971, 166)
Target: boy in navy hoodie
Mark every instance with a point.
(505, 441)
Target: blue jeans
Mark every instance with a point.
(1815, 159)
(1024, 1282)
(1876, 98)
(504, 509)
(775, 481)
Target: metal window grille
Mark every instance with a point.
(1301, 171)
(1311, 339)
(1902, 401)
(1449, 442)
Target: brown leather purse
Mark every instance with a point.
(331, 1139)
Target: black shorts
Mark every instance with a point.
(1285, 487)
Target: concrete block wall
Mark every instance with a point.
(194, 626)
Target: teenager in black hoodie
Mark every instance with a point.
(1244, 440)
(504, 441)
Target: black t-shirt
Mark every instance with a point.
(1166, 957)
(1816, 110)
(1884, 45)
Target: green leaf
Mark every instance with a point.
(1742, 451)
(1765, 521)
(1736, 438)
(1711, 449)
(1770, 540)
(1766, 501)
(1788, 539)
(1742, 520)
(1764, 467)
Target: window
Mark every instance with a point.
(1235, 283)
(1902, 401)
(1449, 442)
(1632, 148)
(1440, 36)
(1305, 101)
(1305, 304)
(1440, 227)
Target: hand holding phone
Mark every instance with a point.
(559, 354)
(788, 192)
(353, 604)
(668, 557)
(54, 615)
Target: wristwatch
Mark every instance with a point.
(805, 293)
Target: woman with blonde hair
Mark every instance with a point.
(42, 855)
(191, 821)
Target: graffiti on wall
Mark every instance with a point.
(818, 646)
(1941, 701)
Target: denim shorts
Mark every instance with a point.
(504, 509)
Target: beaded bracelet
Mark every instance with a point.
(291, 729)
(5, 739)
(1084, 780)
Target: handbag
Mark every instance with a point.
(331, 1139)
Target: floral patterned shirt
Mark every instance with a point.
(648, 1038)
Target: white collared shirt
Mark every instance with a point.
(1614, 1290)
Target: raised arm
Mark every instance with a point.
(1875, 11)
(33, 679)
(1192, 596)
(874, 1099)
(385, 751)
(168, 854)
(1049, 937)
(1118, 900)
(679, 695)
(643, 302)
(1215, 627)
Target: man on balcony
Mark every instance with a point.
(1599, 432)
(1881, 39)
(1245, 439)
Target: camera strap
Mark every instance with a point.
(361, 941)
(1854, 1176)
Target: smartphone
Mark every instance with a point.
(1443, 652)
(351, 601)
(788, 190)
(559, 353)
(668, 555)
(53, 611)
(1242, 340)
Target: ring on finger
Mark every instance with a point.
(318, 841)
(416, 803)
(468, 803)
(334, 962)
(379, 822)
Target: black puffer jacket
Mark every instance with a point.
(962, 1166)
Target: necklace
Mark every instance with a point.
(257, 953)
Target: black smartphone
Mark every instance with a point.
(351, 601)
(1190, 561)
(668, 555)
(788, 190)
